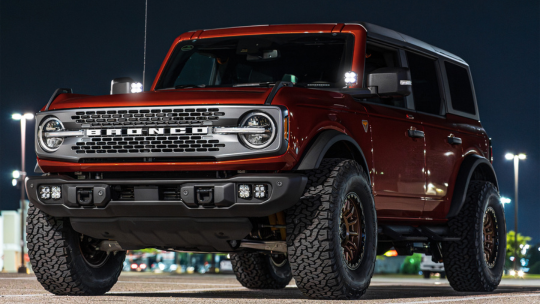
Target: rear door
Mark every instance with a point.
(442, 150)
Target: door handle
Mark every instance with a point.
(454, 140)
(416, 133)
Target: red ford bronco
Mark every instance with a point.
(303, 150)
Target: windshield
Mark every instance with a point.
(312, 60)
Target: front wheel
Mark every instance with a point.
(476, 262)
(332, 232)
(427, 274)
(66, 262)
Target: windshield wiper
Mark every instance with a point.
(187, 86)
(255, 84)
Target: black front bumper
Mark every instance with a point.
(166, 197)
(165, 213)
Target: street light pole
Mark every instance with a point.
(23, 119)
(516, 158)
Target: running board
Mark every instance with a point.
(416, 234)
(277, 246)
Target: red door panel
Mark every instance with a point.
(398, 162)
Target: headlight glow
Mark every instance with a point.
(262, 140)
(50, 144)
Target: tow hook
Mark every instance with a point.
(205, 197)
(84, 196)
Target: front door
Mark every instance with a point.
(398, 162)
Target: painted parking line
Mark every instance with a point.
(486, 298)
(178, 283)
(173, 290)
(134, 292)
(26, 295)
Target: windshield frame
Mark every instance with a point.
(347, 64)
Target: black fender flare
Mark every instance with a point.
(322, 143)
(469, 165)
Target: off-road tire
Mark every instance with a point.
(256, 271)
(313, 233)
(54, 251)
(464, 262)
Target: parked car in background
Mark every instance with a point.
(428, 267)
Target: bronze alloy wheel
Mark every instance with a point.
(351, 231)
(491, 237)
(90, 252)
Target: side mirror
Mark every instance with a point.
(125, 85)
(390, 81)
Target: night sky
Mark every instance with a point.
(82, 45)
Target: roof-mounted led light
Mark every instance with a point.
(350, 78)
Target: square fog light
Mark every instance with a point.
(244, 191)
(56, 192)
(45, 192)
(260, 191)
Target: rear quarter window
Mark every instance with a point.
(460, 88)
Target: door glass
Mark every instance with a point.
(427, 96)
(460, 88)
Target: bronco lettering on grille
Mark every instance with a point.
(149, 131)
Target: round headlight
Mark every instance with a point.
(50, 144)
(258, 140)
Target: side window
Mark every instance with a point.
(427, 96)
(460, 88)
(380, 57)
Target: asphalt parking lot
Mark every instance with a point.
(151, 288)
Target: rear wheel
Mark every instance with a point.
(261, 271)
(66, 262)
(476, 262)
(332, 232)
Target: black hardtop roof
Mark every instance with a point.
(381, 33)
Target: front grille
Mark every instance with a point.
(147, 144)
(177, 133)
(107, 118)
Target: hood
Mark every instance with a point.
(195, 96)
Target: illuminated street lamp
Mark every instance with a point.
(505, 200)
(516, 158)
(22, 174)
